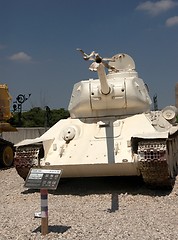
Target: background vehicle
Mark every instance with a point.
(111, 130)
(6, 147)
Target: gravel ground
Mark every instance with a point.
(89, 209)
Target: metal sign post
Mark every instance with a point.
(43, 179)
(44, 211)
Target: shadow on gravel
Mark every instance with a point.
(54, 229)
(5, 168)
(27, 191)
(103, 185)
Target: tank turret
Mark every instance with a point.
(118, 92)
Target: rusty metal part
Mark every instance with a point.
(153, 164)
(27, 157)
(6, 153)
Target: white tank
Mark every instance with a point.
(111, 130)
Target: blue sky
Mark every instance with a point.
(38, 41)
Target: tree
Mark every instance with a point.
(37, 117)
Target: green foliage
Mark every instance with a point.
(37, 117)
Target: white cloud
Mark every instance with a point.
(21, 56)
(172, 21)
(155, 8)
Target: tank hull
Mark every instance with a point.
(111, 147)
(93, 141)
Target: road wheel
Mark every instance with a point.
(6, 156)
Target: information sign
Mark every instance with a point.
(43, 178)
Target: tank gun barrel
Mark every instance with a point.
(99, 66)
(105, 88)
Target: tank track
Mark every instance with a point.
(25, 158)
(153, 164)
